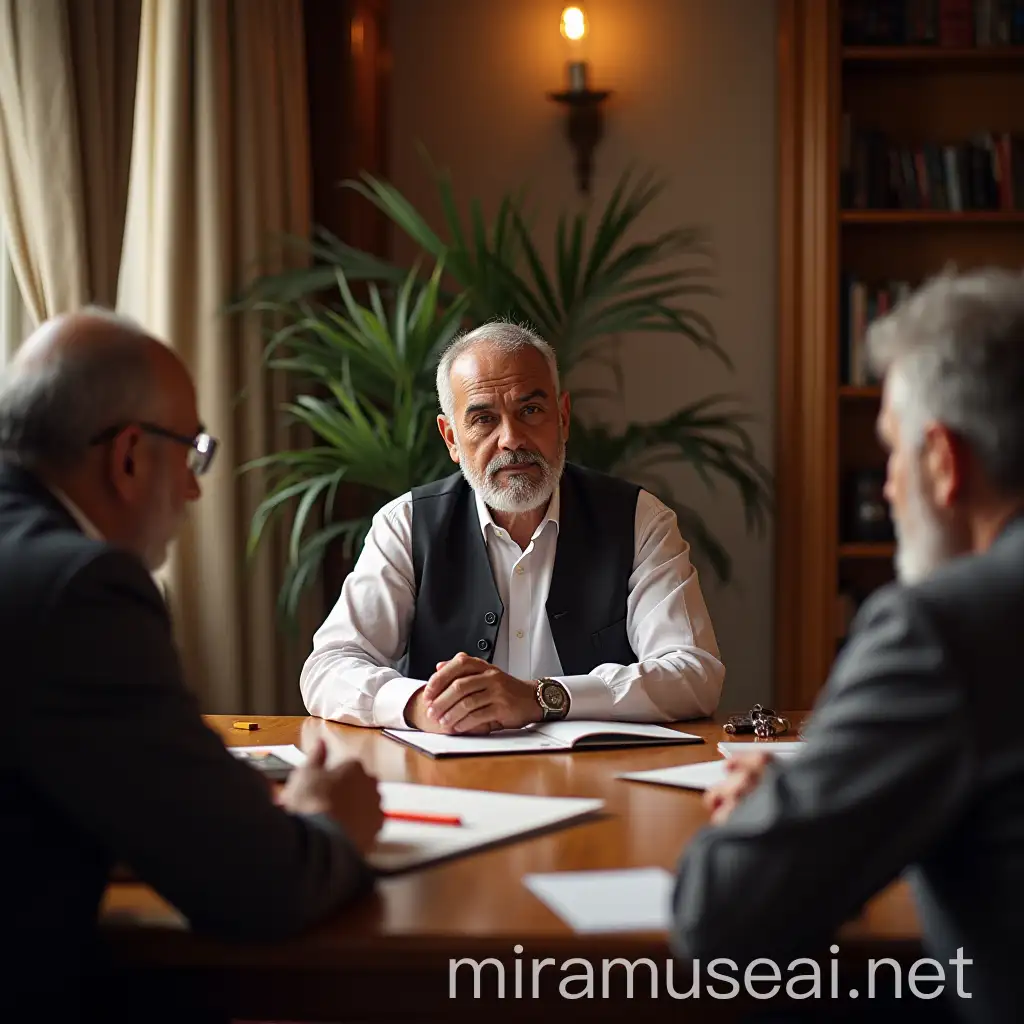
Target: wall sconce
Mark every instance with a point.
(585, 123)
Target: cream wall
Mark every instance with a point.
(694, 97)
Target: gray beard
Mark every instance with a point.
(923, 542)
(519, 493)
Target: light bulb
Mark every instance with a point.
(574, 24)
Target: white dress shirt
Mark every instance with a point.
(349, 676)
(85, 524)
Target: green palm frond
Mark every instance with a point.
(707, 436)
(365, 376)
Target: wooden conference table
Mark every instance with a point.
(387, 958)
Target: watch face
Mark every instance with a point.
(554, 697)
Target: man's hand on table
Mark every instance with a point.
(469, 696)
(345, 793)
(745, 772)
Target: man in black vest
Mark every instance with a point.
(520, 589)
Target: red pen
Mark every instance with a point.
(424, 817)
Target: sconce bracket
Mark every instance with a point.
(584, 128)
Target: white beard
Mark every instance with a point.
(520, 493)
(923, 541)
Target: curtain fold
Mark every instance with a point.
(219, 174)
(15, 322)
(67, 73)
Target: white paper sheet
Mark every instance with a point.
(776, 748)
(631, 900)
(486, 818)
(702, 775)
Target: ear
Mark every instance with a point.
(945, 463)
(564, 406)
(449, 437)
(122, 462)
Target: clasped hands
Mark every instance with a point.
(470, 697)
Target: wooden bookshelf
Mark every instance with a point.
(915, 98)
(923, 218)
(867, 550)
(979, 58)
(862, 392)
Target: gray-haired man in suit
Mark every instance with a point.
(105, 757)
(914, 755)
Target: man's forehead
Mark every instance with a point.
(484, 369)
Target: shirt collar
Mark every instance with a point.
(486, 520)
(85, 523)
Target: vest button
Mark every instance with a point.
(483, 644)
(490, 618)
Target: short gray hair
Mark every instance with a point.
(956, 347)
(508, 337)
(50, 409)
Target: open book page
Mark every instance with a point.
(509, 741)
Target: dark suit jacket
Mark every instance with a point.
(914, 759)
(105, 759)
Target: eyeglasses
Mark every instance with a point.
(763, 722)
(202, 447)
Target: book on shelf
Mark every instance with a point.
(950, 23)
(859, 305)
(983, 173)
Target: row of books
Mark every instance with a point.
(985, 173)
(952, 23)
(860, 304)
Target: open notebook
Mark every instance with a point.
(548, 737)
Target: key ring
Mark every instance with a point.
(764, 723)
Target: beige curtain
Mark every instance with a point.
(67, 74)
(15, 322)
(219, 173)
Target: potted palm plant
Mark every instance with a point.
(374, 411)
(363, 379)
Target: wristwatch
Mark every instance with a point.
(553, 699)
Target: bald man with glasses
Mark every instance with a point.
(106, 759)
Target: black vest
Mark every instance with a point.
(457, 603)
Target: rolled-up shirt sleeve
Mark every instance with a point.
(678, 673)
(349, 677)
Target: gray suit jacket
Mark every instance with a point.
(914, 759)
(105, 759)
